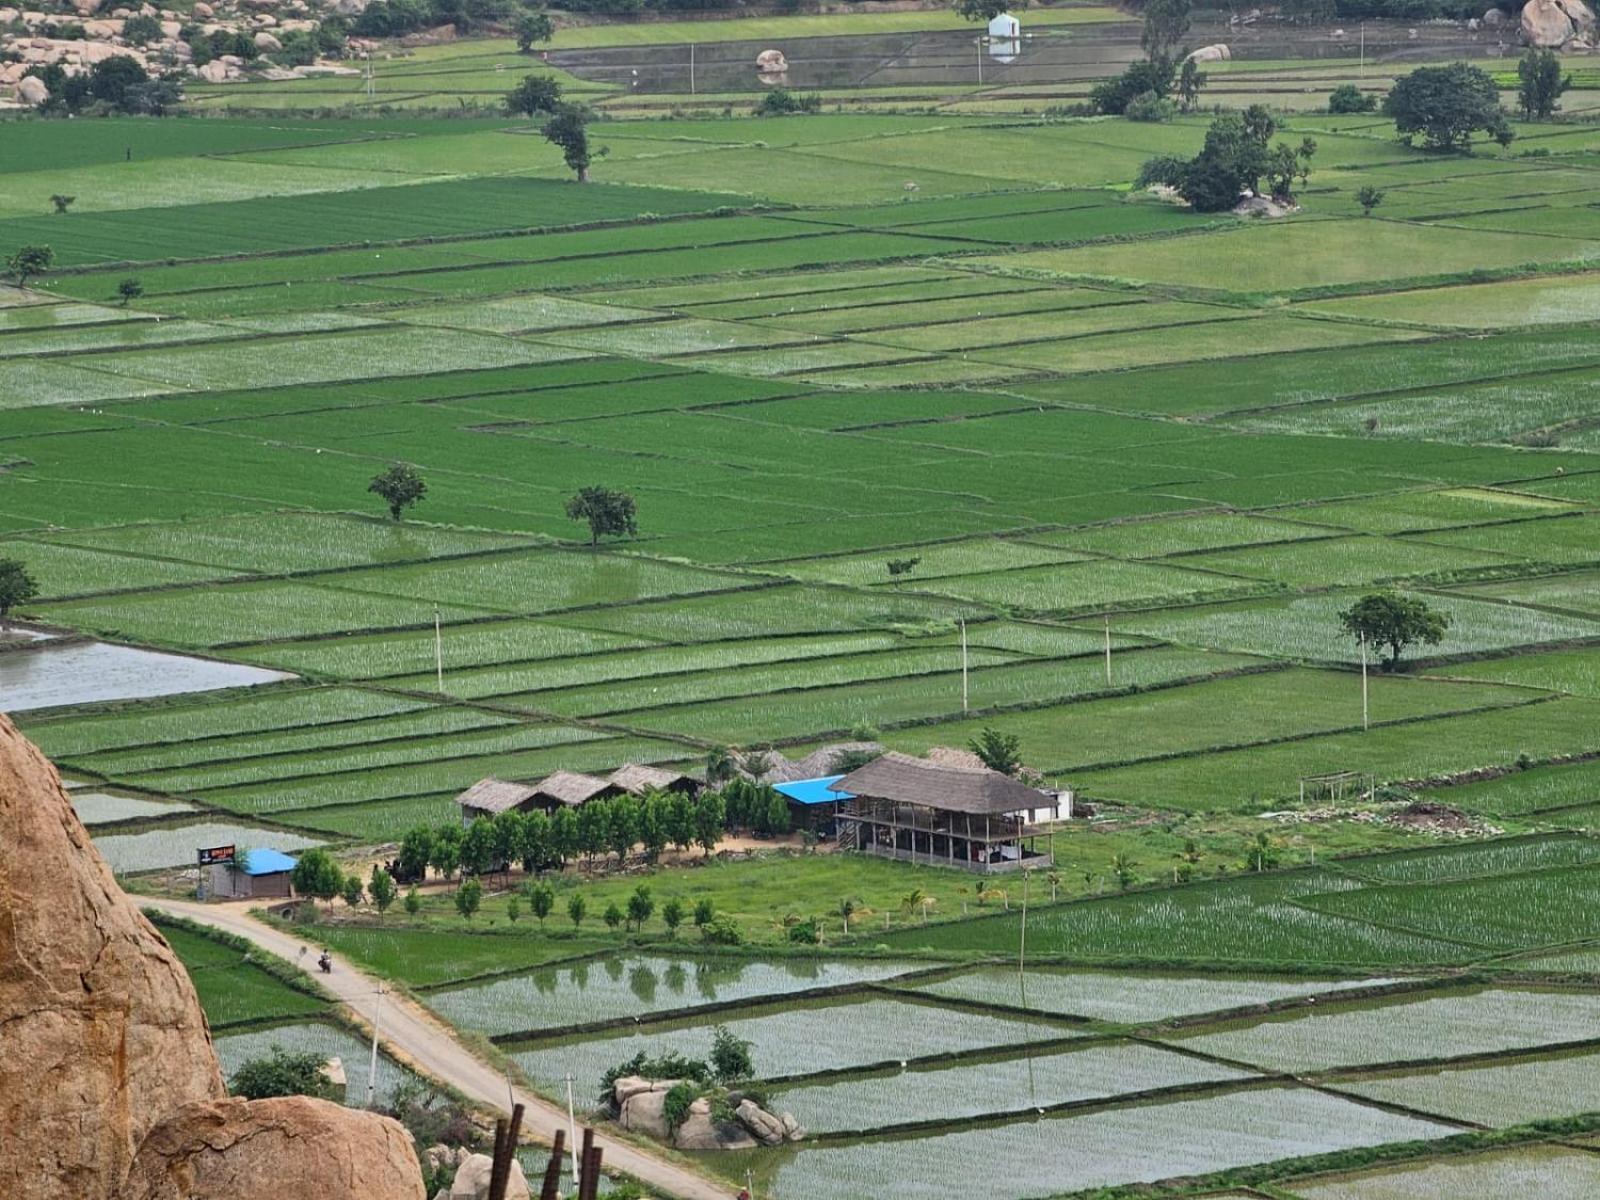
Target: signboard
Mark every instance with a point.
(215, 855)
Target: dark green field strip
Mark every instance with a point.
(505, 737)
(243, 746)
(1499, 856)
(916, 313)
(232, 989)
(385, 216)
(1244, 779)
(213, 719)
(1543, 793)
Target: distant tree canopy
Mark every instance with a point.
(400, 486)
(317, 874)
(1540, 85)
(986, 10)
(1235, 157)
(534, 95)
(16, 585)
(534, 27)
(1166, 24)
(1447, 105)
(1000, 751)
(1396, 621)
(27, 261)
(1147, 76)
(609, 513)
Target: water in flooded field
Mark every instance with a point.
(1045, 54)
(90, 672)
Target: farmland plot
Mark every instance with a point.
(940, 559)
(421, 957)
(102, 808)
(1124, 998)
(1344, 562)
(990, 1086)
(792, 1041)
(1412, 511)
(1542, 791)
(1499, 857)
(1560, 541)
(1573, 671)
(318, 1037)
(621, 985)
(68, 571)
(1179, 1137)
(233, 989)
(1550, 1172)
(77, 673)
(1577, 592)
(175, 845)
(1451, 1024)
(1243, 920)
(1159, 537)
(1090, 586)
(1495, 1093)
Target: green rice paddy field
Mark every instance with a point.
(1139, 459)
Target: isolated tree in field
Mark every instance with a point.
(400, 486)
(1000, 751)
(1540, 84)
(730, 1056)
(902, 566)
(317, 874)
(1304, 153)
(1282, 165)
(29, 261)
(351, 890)
(129, 289)
(62, 203)
(609, 513)
(1369, 198)
(16, 585)
(568, 129)
(381, 888)
(1396, 621)
(1447, 105)
(613, 916)
(532, 96)
(1348, 98)
(534, 27)
(576, 911)
(413, 902)
(469, 897)
(281, 1073)
(1166, 24)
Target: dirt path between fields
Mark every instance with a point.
(418, 1037)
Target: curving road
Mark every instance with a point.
(417, 1037)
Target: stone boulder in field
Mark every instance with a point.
(1552, 23)
(472, 1180)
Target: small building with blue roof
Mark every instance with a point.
(813, 803)
(264, 874)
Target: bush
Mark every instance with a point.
(1151, 108)
(1348, 98)
(730, 1056)
(721, 931)
(670, 1065)
(781, 102)
(1112, 96)
(805, 932)
(281, 1073)
(679, 1097)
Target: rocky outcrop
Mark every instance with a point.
(31, 90)
(1213, 53)
(766, 1128)
(95, 1005)
(472, 1180)
(771, 62)
(1552, 23)
(270, 1149)
(642, 1108)
(702, 1131)
(92, 1000)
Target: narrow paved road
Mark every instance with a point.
(421, 1038)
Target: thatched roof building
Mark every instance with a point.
(491, 797)
(940, 813)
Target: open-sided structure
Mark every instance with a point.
(942, 815)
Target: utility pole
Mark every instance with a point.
(372, 1066)
(1364, 724)
(963, 664)
(438, 650)
(1363, 49)
(572, 1126)
(1108, 651)
(691, 68)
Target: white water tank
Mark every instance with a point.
(1005, 27)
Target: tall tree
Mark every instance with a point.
(1447, 105)
(534, 26)
(16, 585)
(381, 889)
(400, 486)
(1000, 751)
(317, 874)
(1166, 24)
(1190, 80)
(1541, 84)
(1396, 621)
(533, 95)
(28, 261)
(568, 129)
(609, 513)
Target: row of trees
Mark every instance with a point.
(117, 84)
(1238, 153)
(542, 841)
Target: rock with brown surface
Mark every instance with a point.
(473, 1175)
(1551, 23)
(92, 999)
(30, 90)
(271, 1149)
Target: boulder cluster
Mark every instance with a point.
(97, 1008)
(642, 1107)
(82, 33)
(1565, 25)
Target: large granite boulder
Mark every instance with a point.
(1552, 23)
(109, 1086)
(473, 1175)
(270, 1149)
(94, 1004)
(701, 1131)
(30, 90)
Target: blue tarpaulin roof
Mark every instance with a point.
(268, 862)
(814, 791)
